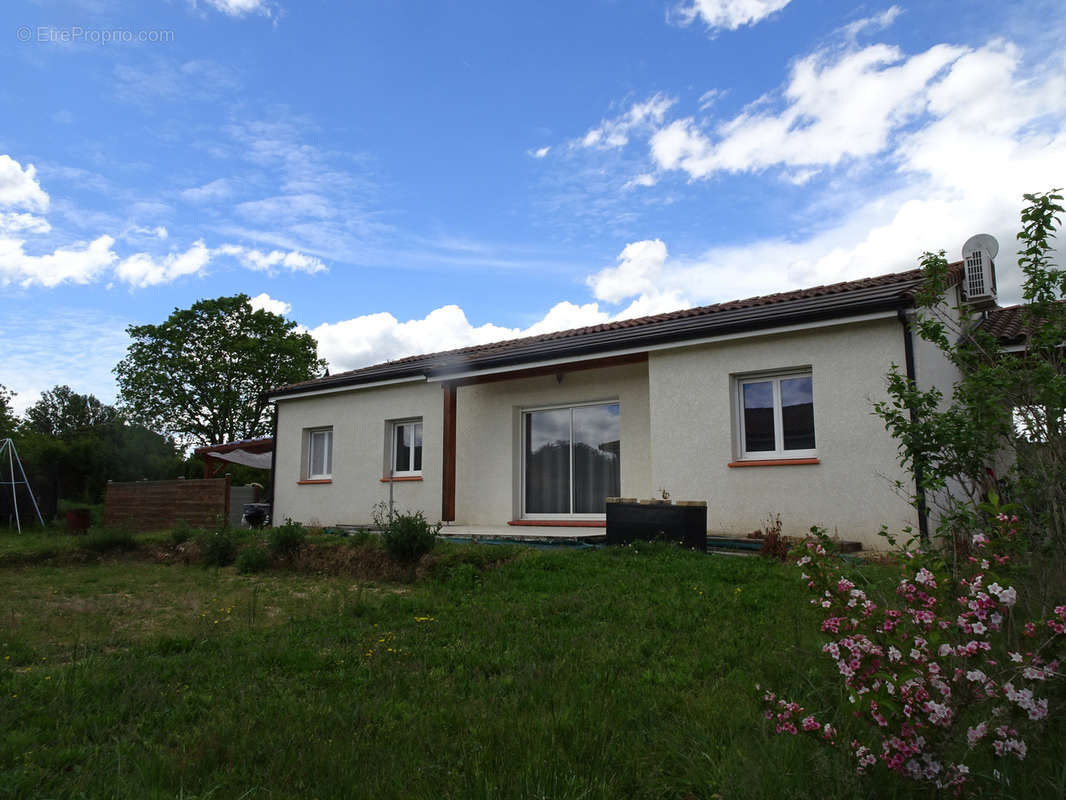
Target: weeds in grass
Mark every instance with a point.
(217, 547)
(774, 546)
(286, 540)
(252, 559)
(106, 540)
(182, 532)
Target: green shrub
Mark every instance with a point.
(106, 540)
(217, 547)
(252, 559)
(286, 539)
(408, 537)
(181, 532)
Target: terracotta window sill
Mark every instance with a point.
(402, 478)
(316, 480)
(559, 523)
(775, 462)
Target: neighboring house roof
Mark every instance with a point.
(838, 300)
(261, 445)
(1007, 324)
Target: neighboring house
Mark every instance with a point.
(759, 407)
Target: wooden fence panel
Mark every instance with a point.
(156, 505)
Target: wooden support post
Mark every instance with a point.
(447, 513)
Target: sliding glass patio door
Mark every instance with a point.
(571, 459)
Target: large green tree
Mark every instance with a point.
(200, 375)
(1007, 411)
(7, 416)
(62, 412)
(71, 444)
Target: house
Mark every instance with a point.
(759, 407)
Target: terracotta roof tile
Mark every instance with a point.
(1007, 324)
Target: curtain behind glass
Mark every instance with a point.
(797, 413)
(547, 459)
(597, 467)
(403, 448)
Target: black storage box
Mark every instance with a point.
(684, 523)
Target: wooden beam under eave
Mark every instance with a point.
(555, 369)
(447, 513)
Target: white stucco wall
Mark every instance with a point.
(931, 366)
(488, 434)
(694, 438)
(359, 420)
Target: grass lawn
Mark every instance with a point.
(620, 673)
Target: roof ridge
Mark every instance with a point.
(757, 300)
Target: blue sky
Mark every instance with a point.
(404, 177)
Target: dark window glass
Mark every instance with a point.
(759, 416)
(403, 449)
(597, 470)
(417, 438)
(797, 413)
(547, 460)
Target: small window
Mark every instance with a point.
(776, 416)
(406, 442)
(319, 453)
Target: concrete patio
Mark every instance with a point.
(527, 534)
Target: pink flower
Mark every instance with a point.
(976, 733)
(925, 578)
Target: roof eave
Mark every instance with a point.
(750, 320)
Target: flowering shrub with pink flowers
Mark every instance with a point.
(940, 676)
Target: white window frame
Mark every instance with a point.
(779, 452)
(393, 426)
(312, 433)
(522, 459)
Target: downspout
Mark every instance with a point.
(912, 379)
(273, 463)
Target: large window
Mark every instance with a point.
(570, 459)
(776, 416)
(406, 443)
(319, 453)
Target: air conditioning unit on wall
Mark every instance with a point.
(979, 270)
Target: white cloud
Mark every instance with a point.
(76, 346)
(80, 263)
(218, 189)
(12, 222)
(876, 22)
(268, 262)
(839, 108)
(540, 152)
(288, 207)
(640, 265)
(241, 8)
(709, 98)
(143, 269)
(19, 187)
(644, 179)
(728, 14)
(264, 302)
(614, 133)
(374, 338)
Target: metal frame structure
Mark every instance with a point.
(12, 460)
